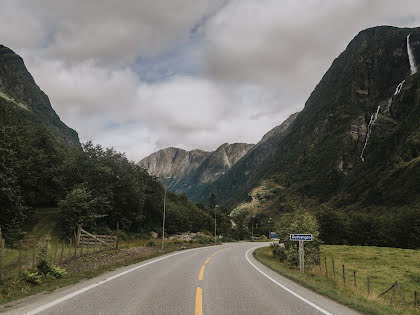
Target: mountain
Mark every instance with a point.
(356, 143)
(180, 169)
(20, 94)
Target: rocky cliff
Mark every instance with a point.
(180, 169)
(18, 89)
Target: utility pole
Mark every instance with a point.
(252, 227)
(269, 229)
(215, 235)
(163, 225)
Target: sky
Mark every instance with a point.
(142, 75)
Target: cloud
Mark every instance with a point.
(292, 43)
(114, 108)
(143, 75)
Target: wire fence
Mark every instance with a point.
(17, 258)
(363, 284)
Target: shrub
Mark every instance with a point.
(45, 268)
(150, 243)
(297, 222)
(31, 277)
(57, 272)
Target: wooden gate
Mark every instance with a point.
(84, 238)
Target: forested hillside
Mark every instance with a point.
(42, 164)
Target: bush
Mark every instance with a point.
(45, 268)
(150, 243)
(57, 272)
(297, 222)
(32, 277)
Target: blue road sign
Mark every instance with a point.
(301, 237)
(273, 235)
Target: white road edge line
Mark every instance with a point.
(75, 293)
(283, 287)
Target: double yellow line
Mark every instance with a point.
(199, 291)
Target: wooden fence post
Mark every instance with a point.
(96, 243)
(333, 266)
(55, 252)
(20, 257)
(354, 278)
(46, 251)
(75, 244)
(415, 299)
(368, 285)
(344, 276)
(62, 251)
(1, 257)
(326, 268)
(34, 255)
(118, 235)
(79, 231)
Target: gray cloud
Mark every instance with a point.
(142, 75)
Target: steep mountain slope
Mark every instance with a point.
(319, 159)
(174, 163)
(18, 89)
(180, 170)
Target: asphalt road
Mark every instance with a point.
(223, 279)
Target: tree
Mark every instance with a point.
(80, 207)
(297, 222)
(212, 201)
(332, 225)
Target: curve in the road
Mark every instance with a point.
(282, 286)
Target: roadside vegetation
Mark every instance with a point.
(353, 275)
(48, 277)
(383, 272)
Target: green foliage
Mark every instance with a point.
(297, 222)
(205, 239)
(80, 207)
(332, 225)
(32, 277)
(46, 268)
(150, 243)
(57, 272)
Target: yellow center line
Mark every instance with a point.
(199, 301)
(200, 276)
(207, 260)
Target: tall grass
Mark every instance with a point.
(357, 258)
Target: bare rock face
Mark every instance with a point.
(173, 162)
(179, 169)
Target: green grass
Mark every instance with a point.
(383, 265)
(360, 257)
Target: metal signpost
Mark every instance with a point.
(301, 238)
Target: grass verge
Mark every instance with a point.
(327, 286)
(14, 288)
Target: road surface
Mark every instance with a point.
(224, 279)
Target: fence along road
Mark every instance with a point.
(231, 283)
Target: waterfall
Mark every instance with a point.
(373, 118)
(399, 87)
(413, 67)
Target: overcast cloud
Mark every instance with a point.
(144, 75)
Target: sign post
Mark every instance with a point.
(301, 238)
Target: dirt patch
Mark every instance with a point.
(96, 260)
